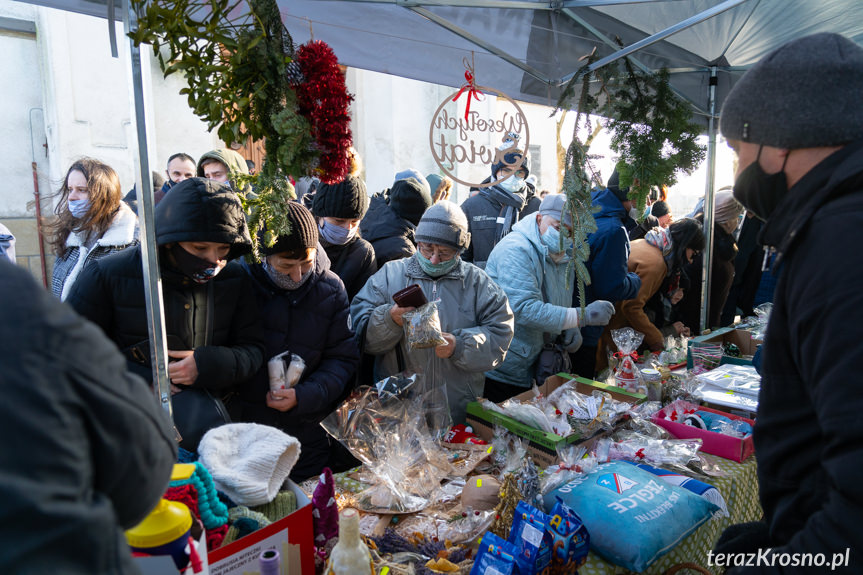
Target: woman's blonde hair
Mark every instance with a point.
(443, 190)
(105, 195)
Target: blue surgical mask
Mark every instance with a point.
(336, 235)
(512, 184)
(551, 239)
(79, 208)
(436, 270)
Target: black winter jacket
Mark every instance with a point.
(483, 212)
(111, 295)
(87, 451)
(313, 322)
(391, 236)
(809, 432)
(354, 262)
(111, 292)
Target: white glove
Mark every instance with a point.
(572, 340)
(596, 313)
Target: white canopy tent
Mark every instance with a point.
(528, 49)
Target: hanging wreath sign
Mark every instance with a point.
(475, 139)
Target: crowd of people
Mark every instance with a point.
(495, 266)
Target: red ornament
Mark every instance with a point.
(324, 101)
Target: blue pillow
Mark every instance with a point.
(633, 516)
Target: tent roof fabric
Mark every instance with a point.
(528, 49)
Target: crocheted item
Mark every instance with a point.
(325, 512)
(216, 536)
(232, 535)
(241, 512)
(186, 456)
(188, 495)
(212, 512)
(283, 505)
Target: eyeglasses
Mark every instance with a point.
(443, 254)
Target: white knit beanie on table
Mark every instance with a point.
(248, 462)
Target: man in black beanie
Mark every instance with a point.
(339, 209)
(796, 124)
(492, 212)
(392, 219)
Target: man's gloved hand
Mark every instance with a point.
(572, 340)
(596, 313)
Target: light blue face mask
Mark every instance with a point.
(551, 239)
(436, 270)
(512, 184)
(79, 208)
(336, 235)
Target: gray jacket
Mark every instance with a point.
(472, 308)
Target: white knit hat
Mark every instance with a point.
(248, 462)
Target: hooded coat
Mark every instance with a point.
(313, 322)
(111, 293)
(391, 236)
(611, 279)
(809, 433)
(233, 160)
(122, 233)
(87, 451)
(522, 267)
(485, 212)
(472, 308)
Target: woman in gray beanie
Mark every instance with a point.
(476, 320)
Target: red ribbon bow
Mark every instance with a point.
(640, 453)
(470, 86)
(621, 355)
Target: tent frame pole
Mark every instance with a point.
(709, 197)
(149, 251)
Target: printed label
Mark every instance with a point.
(532, 535)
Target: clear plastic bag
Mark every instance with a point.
(573, 460)
(643, 449)
(675, 351)
(705, 356)
(626, 373)
(423, 328)
(285, 370)
(530, 414)
(509, 450)
(385, 427)
(587, 413)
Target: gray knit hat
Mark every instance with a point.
(552, 206)
(444, 223)
(805, 94)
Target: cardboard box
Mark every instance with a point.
(292, 537)
(726, 446)
(739, 337)
(543, 445)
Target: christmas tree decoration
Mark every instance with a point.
(509, 498)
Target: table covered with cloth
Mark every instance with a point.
(739, 487)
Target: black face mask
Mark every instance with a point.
(758, 191)
(198, 269)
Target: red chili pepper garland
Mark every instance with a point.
(324, 101)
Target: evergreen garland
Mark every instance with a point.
(652, 131)
(245, 78)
